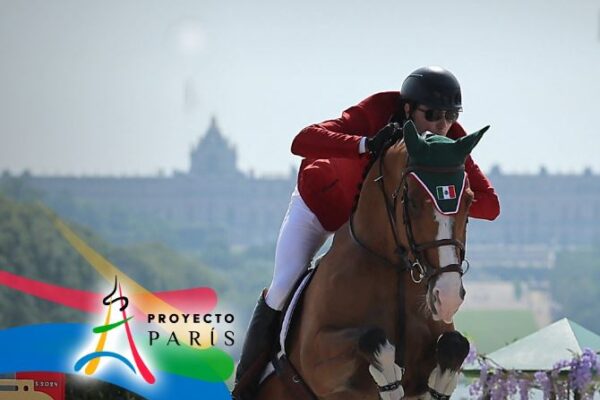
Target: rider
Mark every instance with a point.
(336, 153)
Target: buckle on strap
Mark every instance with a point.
(292, 380)
(437, 395)
(392, 386)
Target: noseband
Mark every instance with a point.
(418, 266)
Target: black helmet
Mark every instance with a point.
(433, 87)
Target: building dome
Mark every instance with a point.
(214, 156)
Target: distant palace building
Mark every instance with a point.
(214, 195)
(539, 213)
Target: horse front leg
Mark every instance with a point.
(333, 365)
(381, 354)
(451, 350)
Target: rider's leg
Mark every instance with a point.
(300, 236)
(257, 349)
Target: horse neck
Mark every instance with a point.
(371, 220)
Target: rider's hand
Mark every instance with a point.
(390, 132)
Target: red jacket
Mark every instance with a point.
(332, 167)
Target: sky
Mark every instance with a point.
(128, 87)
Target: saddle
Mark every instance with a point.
(280, 363)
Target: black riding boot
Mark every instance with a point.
(258, 348)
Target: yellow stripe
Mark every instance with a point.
(142, 298)
(93, 364)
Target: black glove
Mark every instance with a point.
(390, 132)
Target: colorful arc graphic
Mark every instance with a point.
(141, 297)
(93, 359)
(144, 371)
(206, 363)
(45, 347)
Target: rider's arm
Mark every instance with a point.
(345, 137)
(336, 138)
(485, 203)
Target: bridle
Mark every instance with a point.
(418, 267)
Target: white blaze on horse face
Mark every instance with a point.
(447, 291)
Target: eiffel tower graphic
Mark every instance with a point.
(91, 361)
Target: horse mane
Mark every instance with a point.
(397, 116)
(367, 169)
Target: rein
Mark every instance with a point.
(419, 268)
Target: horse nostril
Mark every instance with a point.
(432, 300)
(463, 292)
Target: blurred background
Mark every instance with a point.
(161, 131)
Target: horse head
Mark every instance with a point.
(436, 203)
(426, 175)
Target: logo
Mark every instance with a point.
(446, 192)
(172, 343)
(92, 360)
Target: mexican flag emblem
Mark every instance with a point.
(446, 192)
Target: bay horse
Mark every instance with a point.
(376, 319)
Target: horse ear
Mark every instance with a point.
(465, 144)
(414, 141)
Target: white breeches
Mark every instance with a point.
(300, 237)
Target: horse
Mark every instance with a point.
(376, 319)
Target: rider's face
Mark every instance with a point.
(439, 127)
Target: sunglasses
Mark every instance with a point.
(436, 115)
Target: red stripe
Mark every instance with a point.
(195, 300)
(144, 371)
(452, 191)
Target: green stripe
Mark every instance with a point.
(106, 328)
(440, 193)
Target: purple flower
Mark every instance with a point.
(475, 388)
(541, 378)
(524, 386)
(581, 372)
(472, 356)
(500, 384)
